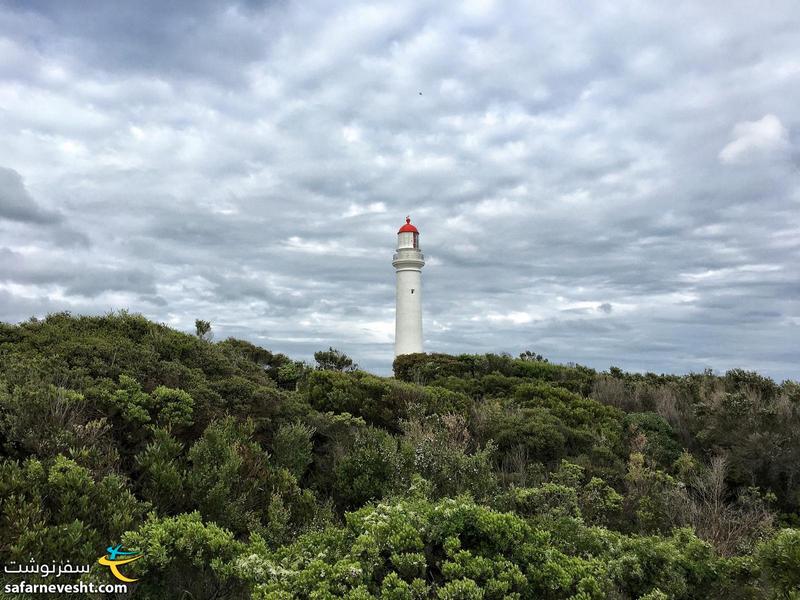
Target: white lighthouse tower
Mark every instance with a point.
(408, 262)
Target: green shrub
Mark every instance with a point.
(780, 562)
(184, 553)
(293, 449)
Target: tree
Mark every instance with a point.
(184, 557)
(334, 360)
(162, 468)
(780, 560)
(732, 527)
(292, 448)
(202, 329)
(532, 356)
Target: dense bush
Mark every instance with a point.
(241, 473)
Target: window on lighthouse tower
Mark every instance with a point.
(416, 240)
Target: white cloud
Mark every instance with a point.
(764, 137)
(373, 208)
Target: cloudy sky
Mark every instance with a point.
(616, 185)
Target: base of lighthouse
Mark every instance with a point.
(408, 322)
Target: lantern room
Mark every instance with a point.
(408, 236)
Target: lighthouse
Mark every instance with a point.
(408, 262)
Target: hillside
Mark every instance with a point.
(240, 473)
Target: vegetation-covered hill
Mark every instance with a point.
(240, 473)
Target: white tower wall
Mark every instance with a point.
(408, 262)
(408, 322)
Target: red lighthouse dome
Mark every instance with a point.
(408, 227)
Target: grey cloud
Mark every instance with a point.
(16, 204)
(22, 217)
(564, 166)
(76, 276)
(171, 38)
